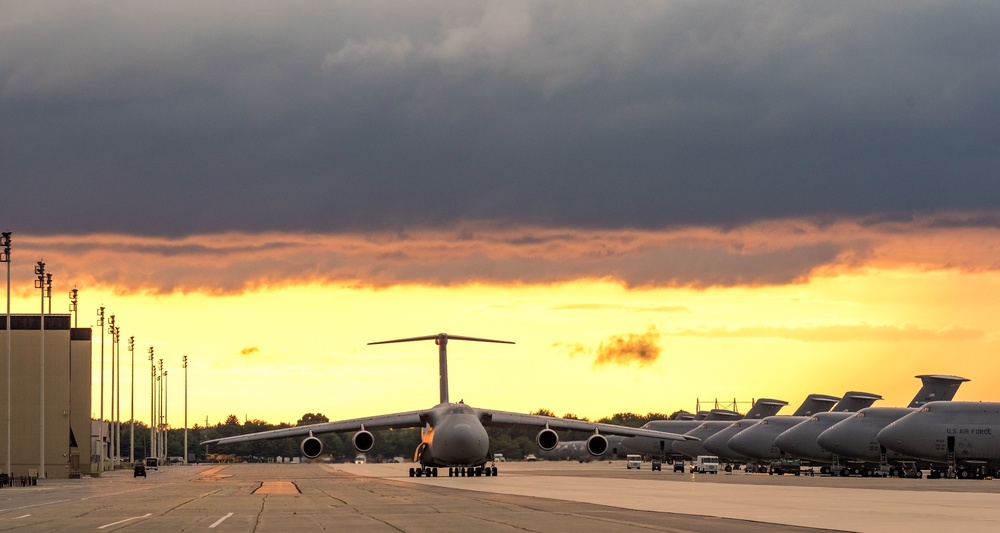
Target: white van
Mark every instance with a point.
(706, 464)
(633, 461)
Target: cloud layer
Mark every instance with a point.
(184, 119)
(766, 253)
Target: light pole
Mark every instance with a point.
(118, 402)
(40, 284)
(72, 304)
(152, 406)
(185, 360)
(131, 427)
(100, 327)
(166, 416)
(5, 258)
(159, 412)
(48, 290)
(113, 454)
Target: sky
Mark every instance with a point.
(661, 203)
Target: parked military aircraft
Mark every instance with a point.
(719, 444)
(800, 439)
(576, 450)
(962, 436)
(761, 409)
(757, 442)
(453, 435)
(854, 440)
(660, 448)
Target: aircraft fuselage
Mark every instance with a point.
(969, 430)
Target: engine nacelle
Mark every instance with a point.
(311, 447)
(597, 445)
(363, 440)
(547, 439)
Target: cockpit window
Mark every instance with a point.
(814, 419)
(925, 409)
(859, 415)
(460, 409)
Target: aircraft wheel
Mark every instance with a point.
(494, 471)
(895, 472)
(824, 470)
(420, 472)
(412, 473)
(845, 472)
(434, 472)
(963, 474)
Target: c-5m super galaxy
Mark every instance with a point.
(453, 435)
(962, 437)
(854, 441)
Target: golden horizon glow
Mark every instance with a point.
(779, 310)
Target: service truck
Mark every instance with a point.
(706, 464)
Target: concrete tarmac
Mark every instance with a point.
(544, 496)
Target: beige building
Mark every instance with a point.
(67, 379)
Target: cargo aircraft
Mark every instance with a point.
(959, 435)
(855, 440)
(453, 435)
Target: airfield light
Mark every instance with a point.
(48, 290)
(185, 364)
(72, 304)
(5, 258)
(100, 327)
(131, 426)
(111, 436)
(152, 406)
(40, 284)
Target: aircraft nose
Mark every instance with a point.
(462, 443)
(892, 437)
(787, 442)
(829, 440)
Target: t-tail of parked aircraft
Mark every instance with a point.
(936, 387)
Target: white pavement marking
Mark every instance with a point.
(20, 517)
(126, 520)
(219, 521)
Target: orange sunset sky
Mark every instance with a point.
(659, 202)
(276, 325)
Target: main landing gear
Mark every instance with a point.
(472, 471)
(424, 472)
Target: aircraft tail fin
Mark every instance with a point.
(722, 414)
(936, 387)
(816, 403)
(854, 401)
(441, 339)
(764, 408)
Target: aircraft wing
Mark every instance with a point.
(509, 419)
(411, 419)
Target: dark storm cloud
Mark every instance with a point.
(178, 118)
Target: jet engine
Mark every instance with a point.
(311, 447)
(363, 440)
(597, 445)
(547, 439)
